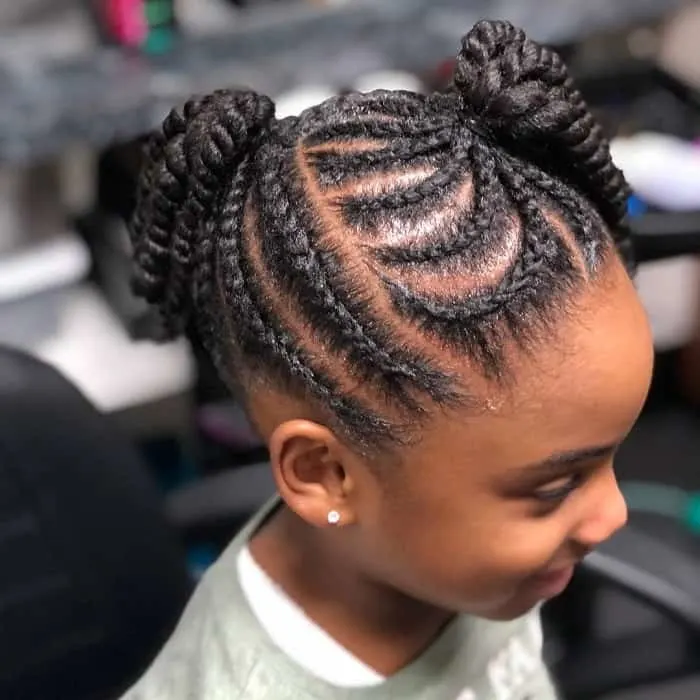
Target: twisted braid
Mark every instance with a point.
(198, 147)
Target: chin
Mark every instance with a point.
(508, 610)
(529, 596)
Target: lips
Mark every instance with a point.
(552, 583)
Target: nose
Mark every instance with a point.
(606, 513)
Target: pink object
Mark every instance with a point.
(127, 21)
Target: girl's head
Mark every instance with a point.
(423, 303)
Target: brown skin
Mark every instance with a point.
(689, 366)
(461, 525)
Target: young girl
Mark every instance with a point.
(422, 303)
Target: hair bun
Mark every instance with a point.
(512, 84)
(522, 94)
(189, 163)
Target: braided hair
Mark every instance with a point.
(336, 252)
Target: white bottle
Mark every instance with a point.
(663, 170)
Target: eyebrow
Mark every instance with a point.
(562, 462)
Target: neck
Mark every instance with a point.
(379, 625)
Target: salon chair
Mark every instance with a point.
(93, 574)
(658, 573)
(662, 235)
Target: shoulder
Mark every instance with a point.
(200, 660)
(217, 643)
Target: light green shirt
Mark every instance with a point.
(219, 651)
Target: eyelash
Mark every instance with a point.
(561, 493)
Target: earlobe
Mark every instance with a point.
(307, 463)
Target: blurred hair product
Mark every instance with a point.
(636, 206)
(663, 170)
(148, 25)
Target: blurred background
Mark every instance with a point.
(115, 497)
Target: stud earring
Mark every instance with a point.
(333, 517)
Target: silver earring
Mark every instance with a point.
(333, 517)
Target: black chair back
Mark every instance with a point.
(92, 577)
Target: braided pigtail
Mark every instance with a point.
(202, 149)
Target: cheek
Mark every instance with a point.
(466, 555)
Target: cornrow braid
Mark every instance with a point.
(262, 340)
(298, 264)
(380, 105)
(340, 254)
(475, 232)
(334, 165)
(366, 127)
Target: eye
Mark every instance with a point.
(557, 491)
